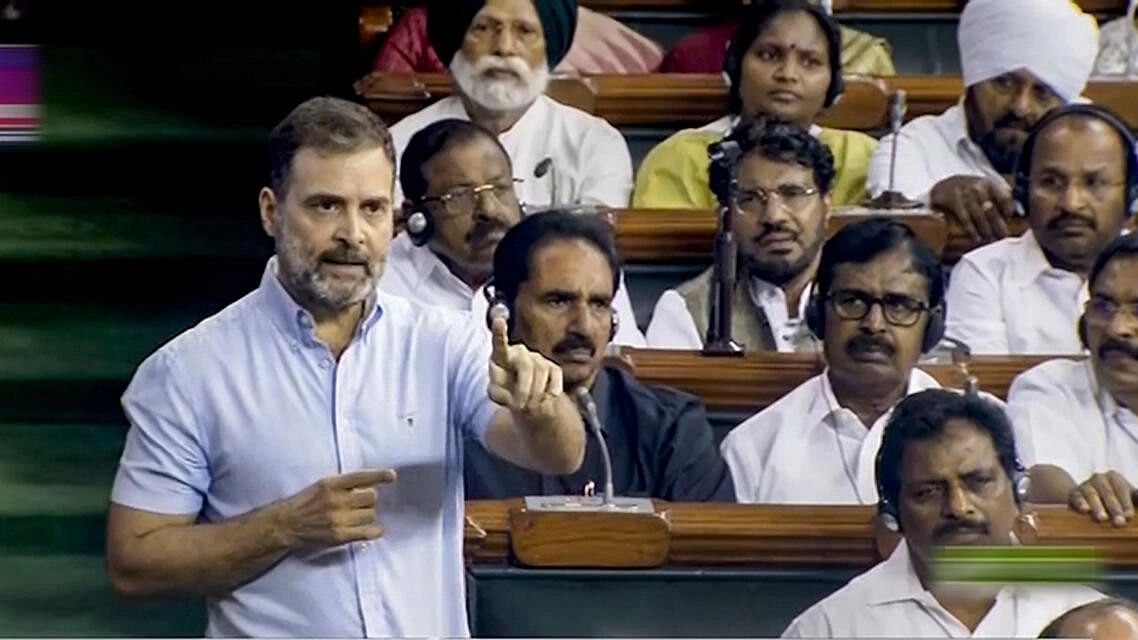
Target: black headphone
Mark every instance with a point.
(1082, 329)
(732, 62)
(816, 320)
(498, 306)
(420, 226)
(1021, 179)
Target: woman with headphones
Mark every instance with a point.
(784, 61)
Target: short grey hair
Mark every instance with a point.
(331, 125)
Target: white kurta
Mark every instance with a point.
(590, 157)
(1063, 417)
(888, 601)
(418, 274)
(1006, 298)
(929, 149)
(807, 449)
(672, 325)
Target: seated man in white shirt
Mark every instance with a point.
(876, 306)
(1020, 58)
(780, 204)
(1106, 619)
(947, 476)
(459, 186)
(499, 53)
(1075, 419)
(1075, 180)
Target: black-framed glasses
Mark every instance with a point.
(899, 310)
(1100, 309)
(463, 200)
(793, 197)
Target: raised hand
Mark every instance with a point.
(520, 379)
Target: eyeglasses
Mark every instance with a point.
(1101, 309)
(792, 196)
(899, 310)
(463, 200)
(1056, 187)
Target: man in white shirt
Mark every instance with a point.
(1075, 419)
(1023, 295)
(499, 53)
(947, 476)
(780, 204)
(461, 200)
(876, 307)
(1020, 58)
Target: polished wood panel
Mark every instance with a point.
(796, 536)
(686, 100)
(373, 23)
(670, 236)
(662, 100)
(590, 539)
(754, 381)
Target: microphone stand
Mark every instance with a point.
(719, 342)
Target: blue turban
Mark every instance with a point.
(448, 21)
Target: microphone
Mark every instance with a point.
(722, 157)
(961, 357)
(897, 108)
(608, 503)
(589, 411)
(539, 171)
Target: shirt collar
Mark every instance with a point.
(1032, 262)
(762, 290)
(295, 321)
(1107, 404)
(897, 580)
(827, 404)
(425, 265)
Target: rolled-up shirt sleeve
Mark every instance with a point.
(164, 467)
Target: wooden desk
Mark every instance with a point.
(687, 100)
(789, 535)
(670, 236)
(756, 380)
(654, 100)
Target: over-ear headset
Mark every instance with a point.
(1021, 179)
(815, 316)
(1083, 332)
(890, 514)
(732, 62)
(420, 226)
(498, 306)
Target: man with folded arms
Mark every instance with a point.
(1075, 419)
(948, 476)
(876, 306)
(1020, 59)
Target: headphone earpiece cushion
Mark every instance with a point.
(419, 227)
(1083, 332)
(934, 329)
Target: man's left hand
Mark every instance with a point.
(520, 379)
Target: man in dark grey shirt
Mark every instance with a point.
(557, 273)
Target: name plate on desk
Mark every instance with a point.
(586, 533)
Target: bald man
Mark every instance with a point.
(1024, 295)
(1108, 619)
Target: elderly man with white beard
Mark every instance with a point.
(500, 53)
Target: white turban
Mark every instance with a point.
(1052, 39)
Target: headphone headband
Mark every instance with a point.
(1021, 178)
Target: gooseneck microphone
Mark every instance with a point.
(589, 411)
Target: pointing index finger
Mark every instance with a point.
(501, 343)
